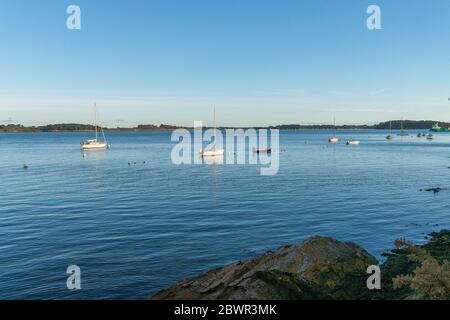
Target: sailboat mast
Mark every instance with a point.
(214, 123)
(215, 136)
(103, 134)
(334, 125)
(95, 122)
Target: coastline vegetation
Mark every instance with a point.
(418, 272)
(76, 127)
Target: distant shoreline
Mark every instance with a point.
(74, 127)
(189, 129)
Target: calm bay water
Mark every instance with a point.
(135, 229)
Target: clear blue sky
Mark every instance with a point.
(258, 62)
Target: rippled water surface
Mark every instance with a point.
(135, 229)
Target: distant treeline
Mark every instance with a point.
(47, 128)
(319, 127)
(75, 127)
(411, 124)
(395, 124)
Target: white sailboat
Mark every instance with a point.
(213, 152)
(334, 139)
(402, 133)
(95, 144)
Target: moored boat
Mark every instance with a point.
(437, 128)
(389, 136)
(95, 144)
(334, 139)
(262, 150)
(402, 132)
(213, 152)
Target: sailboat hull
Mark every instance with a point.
(212, 153)
(94, 146)
(333, 140)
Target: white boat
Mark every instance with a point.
(334, 139)
(402, 133)
(95, 144)
(213, 152)
(262, 150)
(352, 142)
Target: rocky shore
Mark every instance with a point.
(324, 268)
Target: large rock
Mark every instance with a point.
(319, 268)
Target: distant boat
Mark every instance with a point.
(352, 142)
(262, 150)
(334, 139)
(389, 136)
(213, 152)
(437, 128)
(402, 133)
(95, 144)
(430, 137)
(419, 135)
